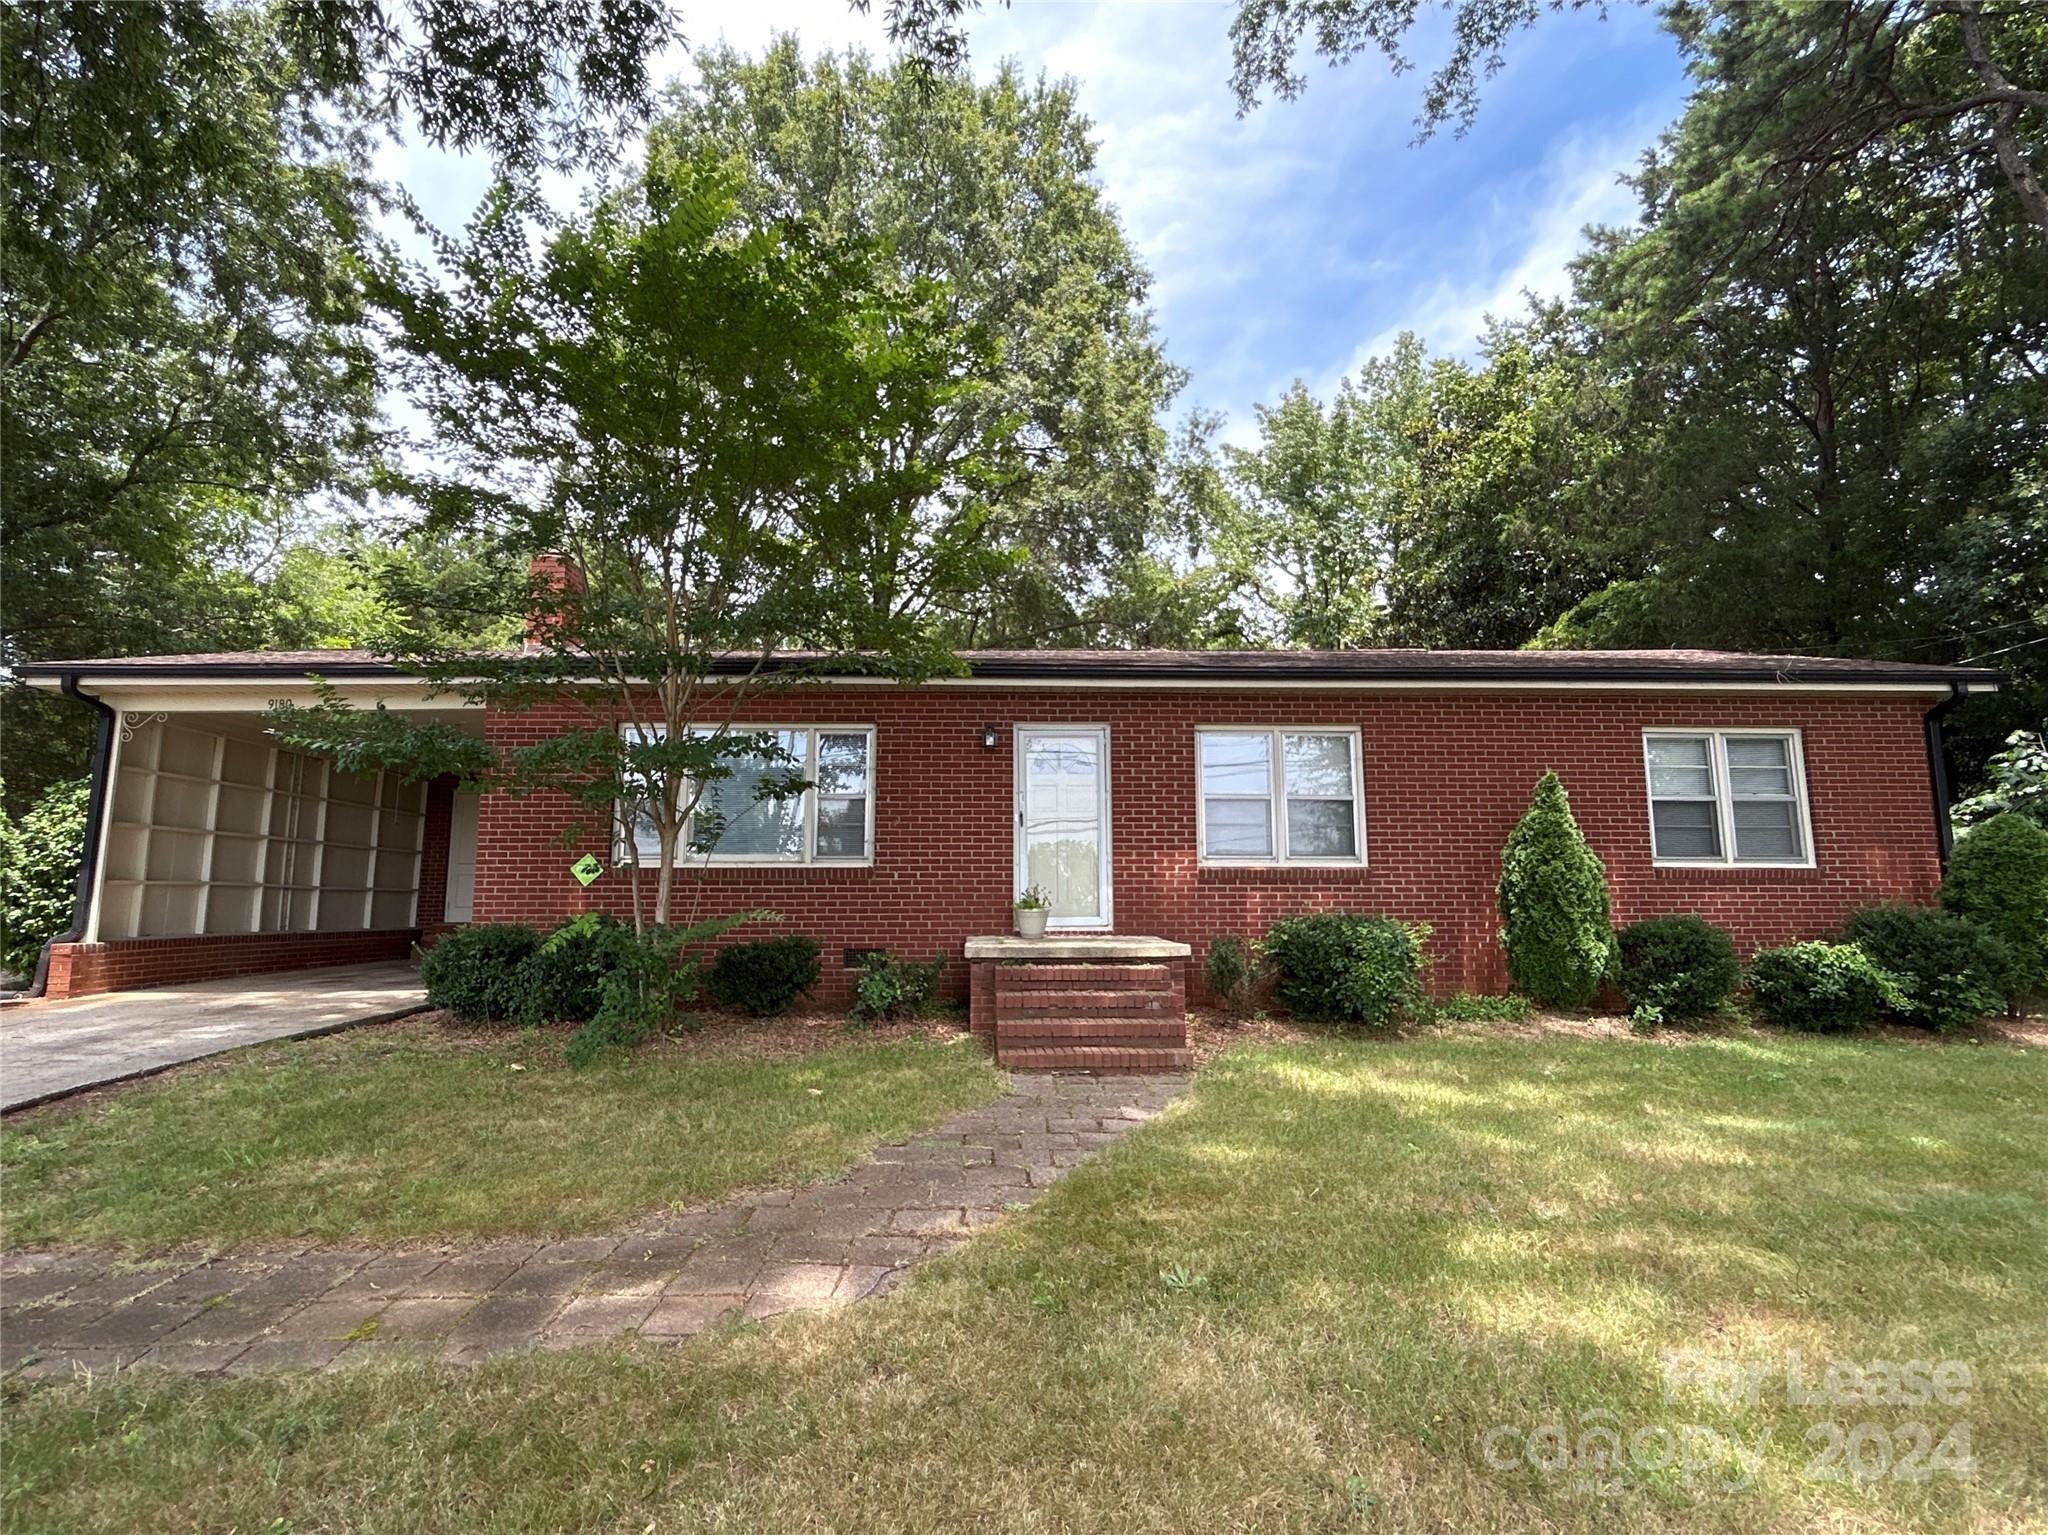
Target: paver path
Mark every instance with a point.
(48, 1049)
(322, 1308)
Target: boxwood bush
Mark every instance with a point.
(1676, 969)
(1998, 879)
(1948, 971)
(1231, 969)
(766, 977)
(479, 973)
(1554, 917)
(565, 976)
(1818, 988)
(1335, 967)
(888, 987)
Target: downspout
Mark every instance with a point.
(1937, 769)
(95, 814)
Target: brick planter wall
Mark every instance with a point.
(84, 969)
(1446, 775)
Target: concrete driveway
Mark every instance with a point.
(48, 1049)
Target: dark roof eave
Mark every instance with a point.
(224, 670)
(1249, 669)
(1535, 673)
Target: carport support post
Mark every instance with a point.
(99, 809)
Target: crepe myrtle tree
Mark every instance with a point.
(678, 406)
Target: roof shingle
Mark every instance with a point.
(1250, 666)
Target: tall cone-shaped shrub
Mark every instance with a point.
(1998, 878)
(1554, 918)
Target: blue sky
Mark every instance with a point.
(1295, 242)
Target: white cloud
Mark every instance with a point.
(1523, 238)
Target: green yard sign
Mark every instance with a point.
(586, 868)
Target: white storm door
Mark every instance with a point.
(1063, 820)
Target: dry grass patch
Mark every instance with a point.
(1298, 1301)
(413, 1131)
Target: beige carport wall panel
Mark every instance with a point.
(221, 831)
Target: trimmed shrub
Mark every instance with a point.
(764, 978)
(1998, 879)
(1232, 972)
(1555, 921)
(1818, 988)
(1676, 969)
(888, 987)
(39, 873)
(479, 973)
(1339, 968)
(564, 978)
(1466, 1007)
(652, 977)
(1949, 973)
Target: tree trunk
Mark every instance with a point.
(2005, 142)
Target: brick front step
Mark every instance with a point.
(1015, 1031)
(1095, 1004)
(1082, 1015)
(1017, 978)
(1105, 1059)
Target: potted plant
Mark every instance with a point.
(1032, 908)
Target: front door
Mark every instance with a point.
(1063, 820)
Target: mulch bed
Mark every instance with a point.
(1211, 1032)
(787, 1038)
(2031, 1031)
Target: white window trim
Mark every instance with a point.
(1724, 796)
(1276, 802)
(808, 858)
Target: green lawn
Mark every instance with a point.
(1299, 1301)
(405, 1133)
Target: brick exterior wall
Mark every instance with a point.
(85, 969)
(440, 811)
(1446, 775)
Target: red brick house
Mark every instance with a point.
(1169, 797)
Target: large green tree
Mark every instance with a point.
(988, 189)
(1835, 399)
(185, 369)
(1515, 459)
(1316, 502)
(698, 409)
(1801, 405)
(180, 348)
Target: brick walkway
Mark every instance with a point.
(760, 1255)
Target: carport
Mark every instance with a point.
(215, 851)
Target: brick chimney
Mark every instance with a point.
(548, 573)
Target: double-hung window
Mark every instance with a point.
(830, 822)
(1279, 796)
(1727, 797)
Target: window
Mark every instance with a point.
(831, 822)
(1279, 796)
(1726, 796)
